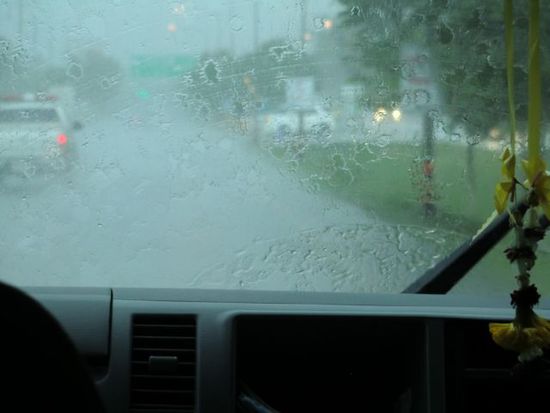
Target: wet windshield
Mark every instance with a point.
(28, 115)
(327, 145)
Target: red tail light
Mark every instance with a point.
(62, 139)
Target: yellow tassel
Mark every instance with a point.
(505, 188)
(525, 338)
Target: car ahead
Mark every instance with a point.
(285, 126)
(392, 122)
(35, 134)
(414, 125)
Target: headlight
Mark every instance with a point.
(396, 115)
(495, 133)
(379, 115)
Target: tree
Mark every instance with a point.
(94, 74)
(13, 60)
(464, 40)
(222, 81)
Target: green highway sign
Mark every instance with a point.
(162, 65)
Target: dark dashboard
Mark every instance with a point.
(196, 350)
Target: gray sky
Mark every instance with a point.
(127, 27)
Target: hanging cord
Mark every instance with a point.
(528, 334)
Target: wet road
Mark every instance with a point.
(158, 199)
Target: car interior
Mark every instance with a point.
(146, 350)
(184, 351)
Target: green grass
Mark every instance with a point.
(388, 181)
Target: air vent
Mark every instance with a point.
(163, 363)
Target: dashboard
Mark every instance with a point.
(196, 350)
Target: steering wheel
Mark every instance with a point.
(40, 368)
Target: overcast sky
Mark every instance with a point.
(129, 27)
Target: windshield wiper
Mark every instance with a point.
(448, 272)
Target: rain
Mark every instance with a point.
(238, 144)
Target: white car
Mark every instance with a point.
(35, 132)
(284, 126)
(390, 122)
(409, 126)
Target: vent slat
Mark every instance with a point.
(182, 356)
(170, 325)
(159, 376)
(163, 383)
(164, 344)
(183, 363)
(165, 350)
(160, 391)
(163, 335)
(167, 329)
(163, 406)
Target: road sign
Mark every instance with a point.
(351, 92)
(300, 92)
(416, 84)
(162, 65)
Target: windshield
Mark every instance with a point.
(327, 145)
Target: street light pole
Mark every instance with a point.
(20, 16)
(255, 45)
(303, 18)
(218, 34)
(231, 38)
(255, 24)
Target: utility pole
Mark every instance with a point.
(218, 34)
(231, 37)
(428, 196)
(255, 25)
(303, 18)
(35, 36)
(303, 31)
(21, 20)
(256, 47)
(430, 208)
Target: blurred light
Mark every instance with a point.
(143, 93)
(172, 27)
(327, 24)
(493, 146)
(379, 115)
(494, 133)
(62, 139)
(307, 37)
(178, 9)
(396, 115)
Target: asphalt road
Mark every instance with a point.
(159, 199)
